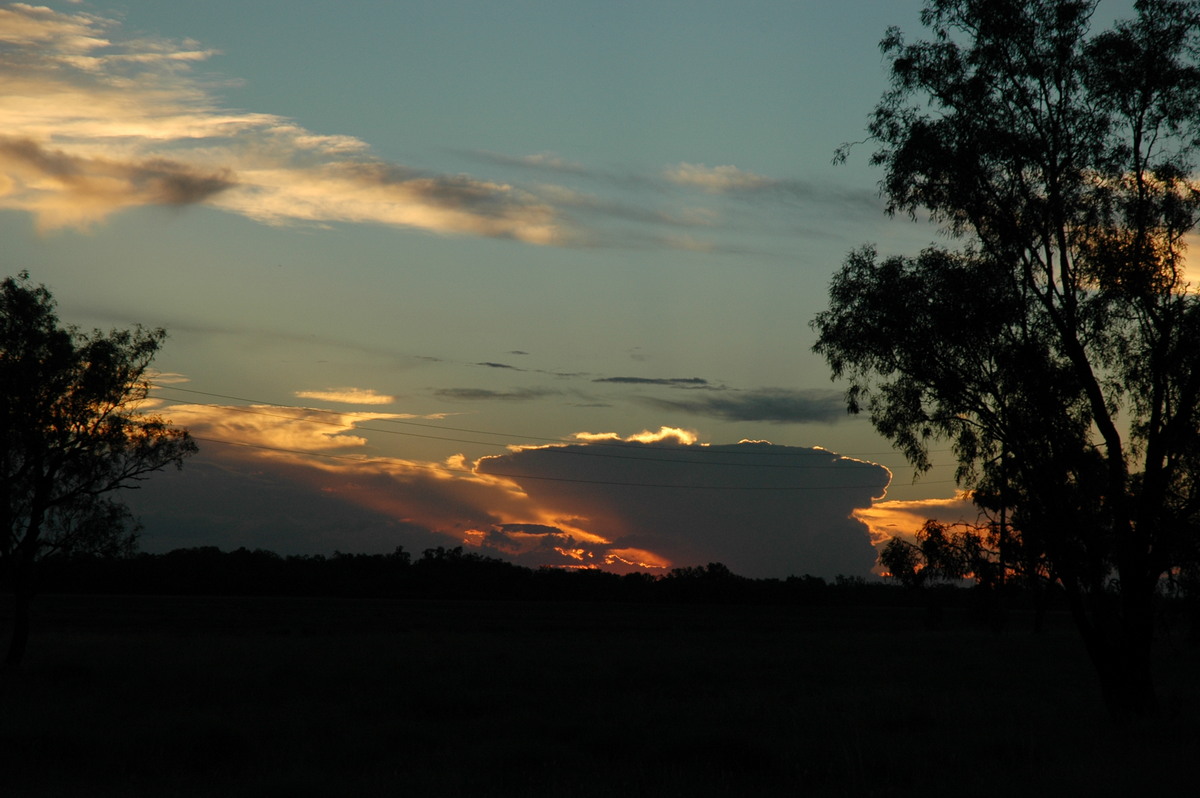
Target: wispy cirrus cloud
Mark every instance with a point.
(547, 161)
(732, 181)
(716, 179)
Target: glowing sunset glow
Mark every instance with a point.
(508, 281)
(888, 519)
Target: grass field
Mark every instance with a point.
(172, 696)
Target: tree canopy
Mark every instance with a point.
(71, 433)
(1055, 347)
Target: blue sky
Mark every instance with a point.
(390, 239)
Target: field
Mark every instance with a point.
(174, 696)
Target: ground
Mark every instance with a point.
(175, 696)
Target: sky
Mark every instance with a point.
(532, 278)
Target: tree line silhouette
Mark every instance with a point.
(455, 573)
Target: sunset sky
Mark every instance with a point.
(529, 277)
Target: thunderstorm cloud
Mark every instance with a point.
(310, 481)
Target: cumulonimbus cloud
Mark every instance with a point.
(650, 501)
(762, 509)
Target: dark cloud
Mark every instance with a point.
(481, 394)
(689, 382)
(448, 191)
(763, 510)
(498, 366)
(776, 405)
(93, 180)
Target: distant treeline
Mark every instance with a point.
(442, 573)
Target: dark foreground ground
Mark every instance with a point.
(154, 696)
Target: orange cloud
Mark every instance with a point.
(897, 518)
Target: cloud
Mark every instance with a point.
(730, 180)
(64, 190)
(309, 481)
(306, 481)
(350, 396)
(674, 382)
(481, 394)
(761, 509)
(275, 431)
(491, 365)
(716, 179)
(166, 377)
(366, 191)
(898, 518)
(96, 122)
(776, 405)
(547, 161)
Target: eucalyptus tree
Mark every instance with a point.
(71, 433)
(1056, 347)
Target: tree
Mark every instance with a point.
(70, 434)
(1056, 347)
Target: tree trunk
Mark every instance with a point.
(22, 598)
(1120, 647)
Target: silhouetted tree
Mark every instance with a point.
(70, 434)
(1057, 349)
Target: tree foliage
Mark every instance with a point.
(71, 434)
(1056, 348)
